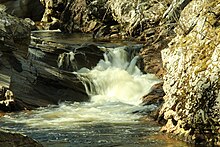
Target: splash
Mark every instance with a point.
(116, 79)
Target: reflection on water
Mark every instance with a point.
(78, 38)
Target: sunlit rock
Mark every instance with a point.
(191, 82)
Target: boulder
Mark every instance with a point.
(155, 96)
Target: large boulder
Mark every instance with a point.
(191, 82)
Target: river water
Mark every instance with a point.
(115, 86)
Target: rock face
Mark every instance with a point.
(108, 17)
(191, 82)
(8, 139)
(115, 19)
(76, 15)
(40, 74)
(23, 8)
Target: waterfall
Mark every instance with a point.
(116, 79)
(115, 86)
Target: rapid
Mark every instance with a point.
(112, 117)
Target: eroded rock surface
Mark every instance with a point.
(191, 82)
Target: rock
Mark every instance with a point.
(106, 17)
(155, 96)
(87, 55)
(35, 68)
(172, 14)
(23, 8)
(8, 139)
(110, 19)
(77, 15)
(191, 81)
(136, 16)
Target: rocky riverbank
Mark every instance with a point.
(185, 30)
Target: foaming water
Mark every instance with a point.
(115, 79)
(115, 86)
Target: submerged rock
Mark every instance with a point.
(191, 82)
(8, 139)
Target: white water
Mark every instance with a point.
(115, 86)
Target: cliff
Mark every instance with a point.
(191, 82)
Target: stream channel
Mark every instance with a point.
(109, 118)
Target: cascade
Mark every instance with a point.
(116, 79)
(115, 86)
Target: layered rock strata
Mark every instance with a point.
(40, 73)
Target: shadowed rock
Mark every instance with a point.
(32, 73)
(23, 8)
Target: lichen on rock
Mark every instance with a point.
(191, 82)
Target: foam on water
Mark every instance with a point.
(115, 79)
(115, 86)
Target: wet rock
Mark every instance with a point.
(23, 8)
(87, 55)
(191, 81)
(8, 139)
(35, 68)
(155, 97)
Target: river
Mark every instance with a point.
(115, 115)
